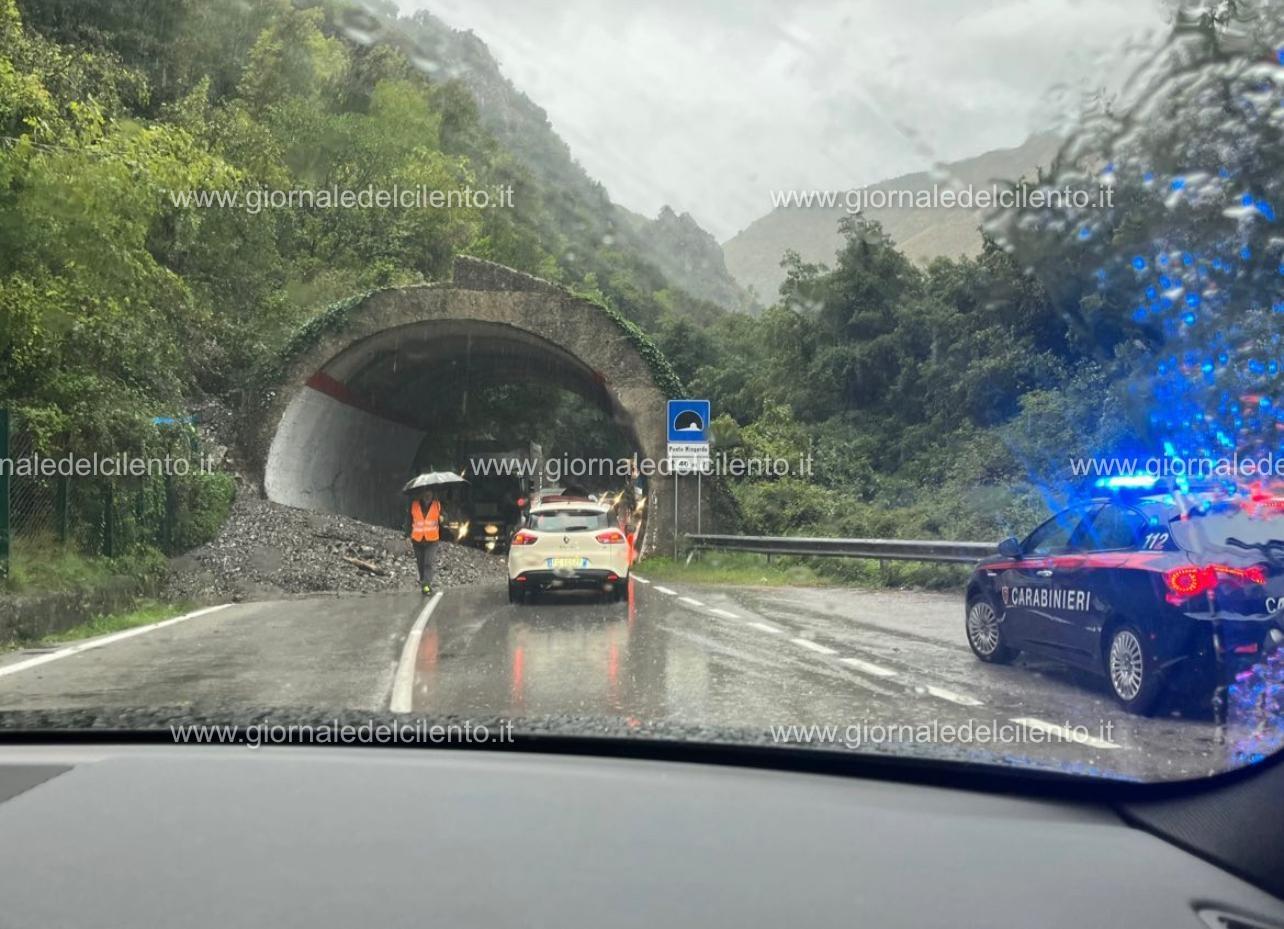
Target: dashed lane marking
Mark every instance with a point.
(403, 682)
(105, 640)
(1070, 735)
(960, 699)
(858, 664)
(868, 667)
(639, 578)
(815, 646)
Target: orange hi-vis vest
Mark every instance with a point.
(425, 527)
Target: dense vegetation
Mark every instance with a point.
(933, 401)
(120, 303)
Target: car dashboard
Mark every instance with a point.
(144, 835)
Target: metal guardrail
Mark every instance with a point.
(883, 549)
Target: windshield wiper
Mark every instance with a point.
(1272, 549)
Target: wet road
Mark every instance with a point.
(886, 670)
(339, 651)
(880, 667)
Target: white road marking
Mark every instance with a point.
(1070, 735)
(815, 646)
(640, 579)
(765, 628)
(726, 613)
(690, 601)
(868, 667)
(665, 590)
(403, 682)
(105, 640)
(961, 699)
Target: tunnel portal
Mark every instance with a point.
(347, 424)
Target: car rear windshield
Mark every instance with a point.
(1229, 527)
(570, 520)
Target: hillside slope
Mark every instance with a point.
(685, 253)
(753, 255)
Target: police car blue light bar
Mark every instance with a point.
(1127, 482)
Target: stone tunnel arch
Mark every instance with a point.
(326, 442)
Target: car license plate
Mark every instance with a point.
(567, 561)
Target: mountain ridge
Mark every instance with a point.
(753, 255)
(686, 254)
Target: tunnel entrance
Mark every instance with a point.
(424, 377)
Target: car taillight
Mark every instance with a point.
(525, 538)
(1191, 580)
(610, 537)
(1255, 574)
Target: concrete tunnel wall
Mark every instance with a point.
(333, 457)
(326, 443)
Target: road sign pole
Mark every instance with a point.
(699, 498)
(675, 515)
(688, 431)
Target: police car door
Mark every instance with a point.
(1089, 577)
(1030, 586)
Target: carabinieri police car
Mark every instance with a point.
(1147, 584)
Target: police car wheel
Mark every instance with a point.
(985, 634)
(516, 593)
(1131, 673)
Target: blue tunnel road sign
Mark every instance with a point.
(688, 420)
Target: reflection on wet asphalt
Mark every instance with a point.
(889, 670)
(754, 659)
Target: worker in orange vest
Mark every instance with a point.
(425, 533)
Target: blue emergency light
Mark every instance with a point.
(1127, 482)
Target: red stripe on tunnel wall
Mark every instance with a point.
(333, 387)
(337, 390)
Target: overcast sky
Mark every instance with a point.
(709, 105)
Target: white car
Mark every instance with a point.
(569, 545)
(558, 495)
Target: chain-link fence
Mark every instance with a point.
(33, 500)
(160, 494)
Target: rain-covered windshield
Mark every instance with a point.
(869, 346)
